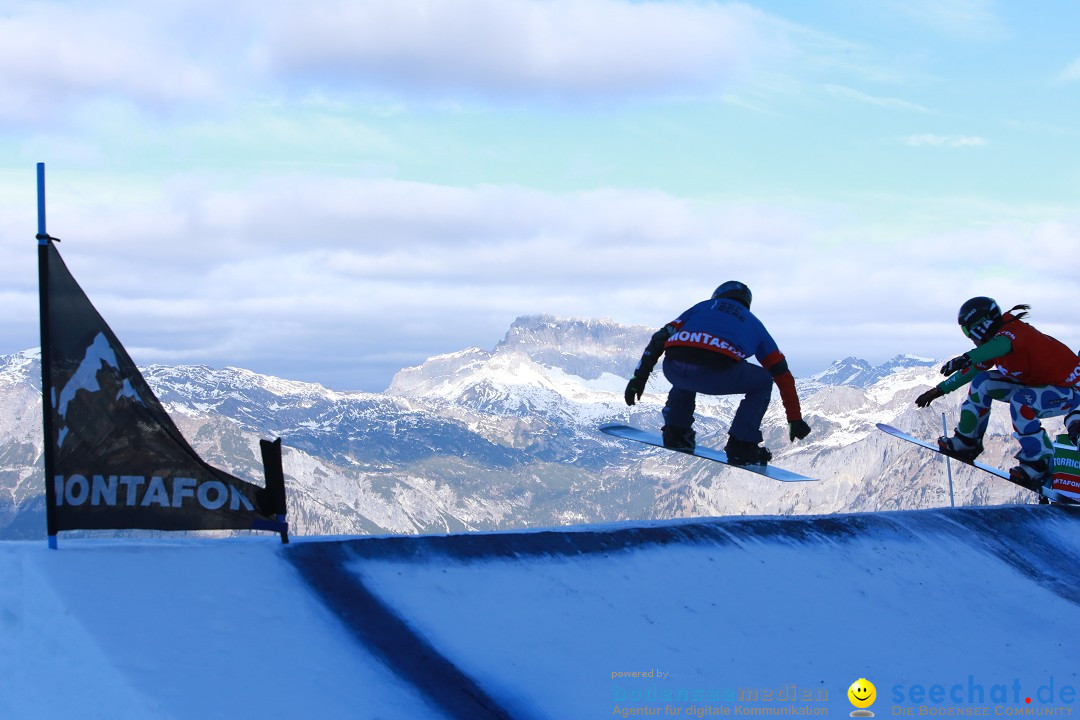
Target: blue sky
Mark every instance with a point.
(332, 191)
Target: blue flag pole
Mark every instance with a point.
(42, 235)
(46, 379)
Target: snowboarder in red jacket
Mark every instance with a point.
(1036, 374)
(706, 349)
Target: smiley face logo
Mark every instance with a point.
(862, 695)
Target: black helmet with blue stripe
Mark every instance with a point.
(734, 290)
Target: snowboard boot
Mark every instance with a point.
(741, 452)
(1032, 474)
(960, 447)
(679, 438)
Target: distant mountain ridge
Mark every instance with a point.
(506, 437)
(859, 373)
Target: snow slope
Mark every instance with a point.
(176, 629)
(967, 608)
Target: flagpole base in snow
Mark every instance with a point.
(275, 484)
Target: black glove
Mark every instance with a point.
(928, 397)
(797, 430)
(1074, 432)
(634, 389)
(958, 363)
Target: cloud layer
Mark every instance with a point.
(196, 54)
(519, 47)
(347, 280)
(332, 191)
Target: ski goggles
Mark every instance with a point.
(977, 330)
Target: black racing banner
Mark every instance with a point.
(114, 459)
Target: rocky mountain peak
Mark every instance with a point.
(859, 373)
(582, 347)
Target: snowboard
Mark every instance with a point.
(770, 471)
(1047, 493)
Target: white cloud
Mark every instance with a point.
(1071, 73)
(884, 102)
(53, 54)
(520, 47)
(947, 141)
(964, 19)
(336, 274)
(317, 278)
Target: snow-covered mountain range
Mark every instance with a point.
(506, 437)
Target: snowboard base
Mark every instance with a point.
(628, 432)
(1051, 495)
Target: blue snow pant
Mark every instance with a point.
(1027, 405)
(742, 378)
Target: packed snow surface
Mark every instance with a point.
(969, 609)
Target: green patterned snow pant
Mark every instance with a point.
(1027, 404)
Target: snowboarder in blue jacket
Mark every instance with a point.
(707, 349)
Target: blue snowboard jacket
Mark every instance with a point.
(719, 333)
